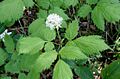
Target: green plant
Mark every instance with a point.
(41, 48)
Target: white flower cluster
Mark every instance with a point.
(4, 33)
(54, 21)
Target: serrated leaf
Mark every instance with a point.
(71, 31)
(98, 18)
(112, 71)
(43, 3)
(49, 46)
(28, 3)
(12, 67)
(33, 75)
(42, 14)
(109, 1)
(90, 45)
(109, 11)
(3, 56)
(62, 71)
(5, 77)
(57, 3)
(60, 12)
(68, 3)
(92, 1)
(9, 44)
(13, 7)
(30, 44)
(29, 60)
(72, 53)
(22, 76)
(84, 72)
(39, 29)
(44, 61)
(84, 10)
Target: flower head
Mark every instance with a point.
(54, 21)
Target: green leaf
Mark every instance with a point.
(3, 56)
(84, 72)
(44, 61)
(42, 14)
(29, 60)
(13, 7)
(39, 29)
(28, 3)
(84, 10)
(98, 18)
(5, 77)
(60, 12)
(90, 45)
(12, 67)
(112, 71)
(68, 3)
(92, 1)
(109, 1)
(49, 46)
(9, 44)
(43, 3)
(30, 44)
(71, 31)
(22, 76)
(33, 75)
(109, 11)
(62, 71)
(71, 52)
(57, 3)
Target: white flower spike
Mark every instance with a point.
(3, 34)
(54, 21)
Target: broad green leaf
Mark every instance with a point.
(72, 30)
(12, 67)
(84, 72)
(49, 46)
(3, 56)
(90, 45)
(60, 12)
(62, 71)
(68, 3)
(44, 61)
(84, 10)
(109, 1)
(42, 14)
(109, 11)
(92, 1)
(98, 18)
(43, 3)
(33, 75)
(29, 60)
(39, 29)
(9, 44)
(112, 71)
(28, 3)
(22, 76)
(72, 52)
(57, 3)
(5, 77)
(13, 7)
(30, 44)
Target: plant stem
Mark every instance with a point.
(60, 45)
